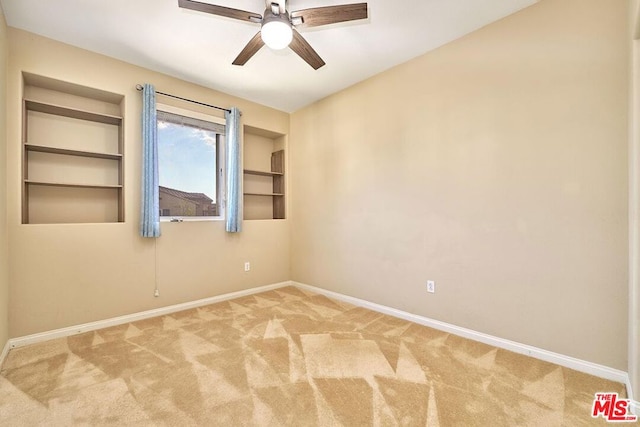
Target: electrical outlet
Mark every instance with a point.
(431, 286)
(156, 293)
(247, 266)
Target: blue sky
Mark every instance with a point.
(187, 159)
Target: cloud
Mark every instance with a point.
(208, 137)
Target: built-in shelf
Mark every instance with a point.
(88, 186)
(68, 152)
(265, 194)
(71, 185)
(73, 113)
(262, 173)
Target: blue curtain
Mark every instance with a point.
(150, 212)
(234, 173)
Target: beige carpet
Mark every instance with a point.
(286, 357)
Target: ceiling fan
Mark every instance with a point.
(278, 26)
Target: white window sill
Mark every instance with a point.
(191, 218)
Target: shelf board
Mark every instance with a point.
(62, 184)
(262, 173)
(68, 152)
(73, 113)
(264, 194)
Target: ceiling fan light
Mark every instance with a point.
(277, 34)
(276, 29)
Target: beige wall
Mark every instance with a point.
(634, 201)
(496, 166)
(4, 262)
(64, 275)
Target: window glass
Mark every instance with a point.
(189, 166)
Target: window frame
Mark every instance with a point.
(220, 164)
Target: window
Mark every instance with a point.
(189, 164)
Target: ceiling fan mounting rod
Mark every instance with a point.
(276, 7)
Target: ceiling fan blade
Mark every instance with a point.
(317, 16)
(304, 50)
(220, 10)
(249, 50)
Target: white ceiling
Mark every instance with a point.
(199, 47)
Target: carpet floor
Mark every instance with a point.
(286, 357)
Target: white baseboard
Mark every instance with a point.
(5, 351)
(635, 405)
(538, 353)
(114, 321)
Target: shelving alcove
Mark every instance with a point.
(72, 153)
(264, 174)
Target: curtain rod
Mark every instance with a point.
(140, 88)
